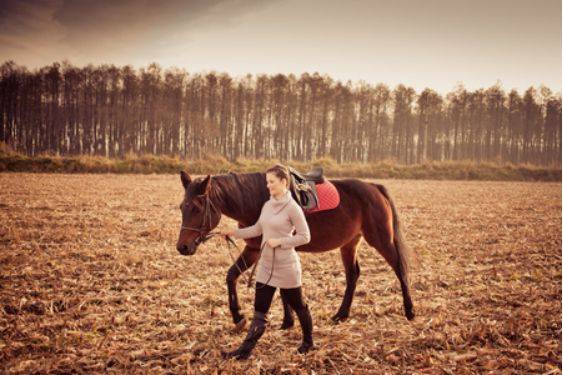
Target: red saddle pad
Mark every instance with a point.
(329, 197)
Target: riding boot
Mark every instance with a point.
(307, 328)
(256, 330)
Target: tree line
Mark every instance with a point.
(112, 111)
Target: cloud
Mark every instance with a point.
(11, 43)
(87, 29)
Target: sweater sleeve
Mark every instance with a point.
(248, 232)
(302, 235)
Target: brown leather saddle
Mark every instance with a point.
(303, 186)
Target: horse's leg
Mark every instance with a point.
(288, 320)
(380, 234)
(244, 261)
(388, 250)
(352, 269)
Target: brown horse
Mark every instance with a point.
(365, 209)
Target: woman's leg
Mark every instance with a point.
(263, 296)
(294, 297)
(262, 301)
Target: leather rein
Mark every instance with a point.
(202, 238)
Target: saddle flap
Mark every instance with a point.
(305, 193)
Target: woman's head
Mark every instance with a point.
(277, 179)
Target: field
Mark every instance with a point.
(91, 282)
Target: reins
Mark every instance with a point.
(229, 240)
(203, 238)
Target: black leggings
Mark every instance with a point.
(265, 293)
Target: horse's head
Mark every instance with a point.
(199, 215)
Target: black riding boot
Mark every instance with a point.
(256, 330)
(307, 328)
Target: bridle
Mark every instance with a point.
(201, 238)
(208, 207)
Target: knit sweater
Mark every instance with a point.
(277, 220)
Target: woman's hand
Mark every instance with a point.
(227, 232)
(274, 242)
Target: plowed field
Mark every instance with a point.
(90, 281)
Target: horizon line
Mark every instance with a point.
(344, 82)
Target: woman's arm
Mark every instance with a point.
(302, 235)
(248, 232)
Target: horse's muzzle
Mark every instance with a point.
(186, 249)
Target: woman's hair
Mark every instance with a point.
(281, 172)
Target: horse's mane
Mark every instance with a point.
(241, 192)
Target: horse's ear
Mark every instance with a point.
(206, 184)
(185, 179)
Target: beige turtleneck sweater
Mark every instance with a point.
(277, 220)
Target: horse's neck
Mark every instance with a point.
(230, 212)
(230, 208)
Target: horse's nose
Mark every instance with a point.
(186, 249)
(182, 249)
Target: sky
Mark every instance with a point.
(420, 43)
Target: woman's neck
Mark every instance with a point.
(280, 195)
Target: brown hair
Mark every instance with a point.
(281, 172)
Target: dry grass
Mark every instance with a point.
(11, 161)
(91, 282)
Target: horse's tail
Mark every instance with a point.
(404, 253)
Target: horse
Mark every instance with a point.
(366, 209)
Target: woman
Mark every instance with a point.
(279, 265)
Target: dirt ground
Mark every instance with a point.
(90, 281)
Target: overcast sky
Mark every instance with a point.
(425, 43)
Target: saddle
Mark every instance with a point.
(303, 187)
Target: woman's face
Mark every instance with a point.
(275, 185)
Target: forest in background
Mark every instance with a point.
(111, 111)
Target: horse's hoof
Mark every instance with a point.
(409, 314)
(339, 317)
(287, 324)
(239, 326)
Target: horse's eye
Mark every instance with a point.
(190, 208)
(197, 203)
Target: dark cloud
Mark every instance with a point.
(19, 17)
(22, 18)
(109, 27)
(90, 15)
